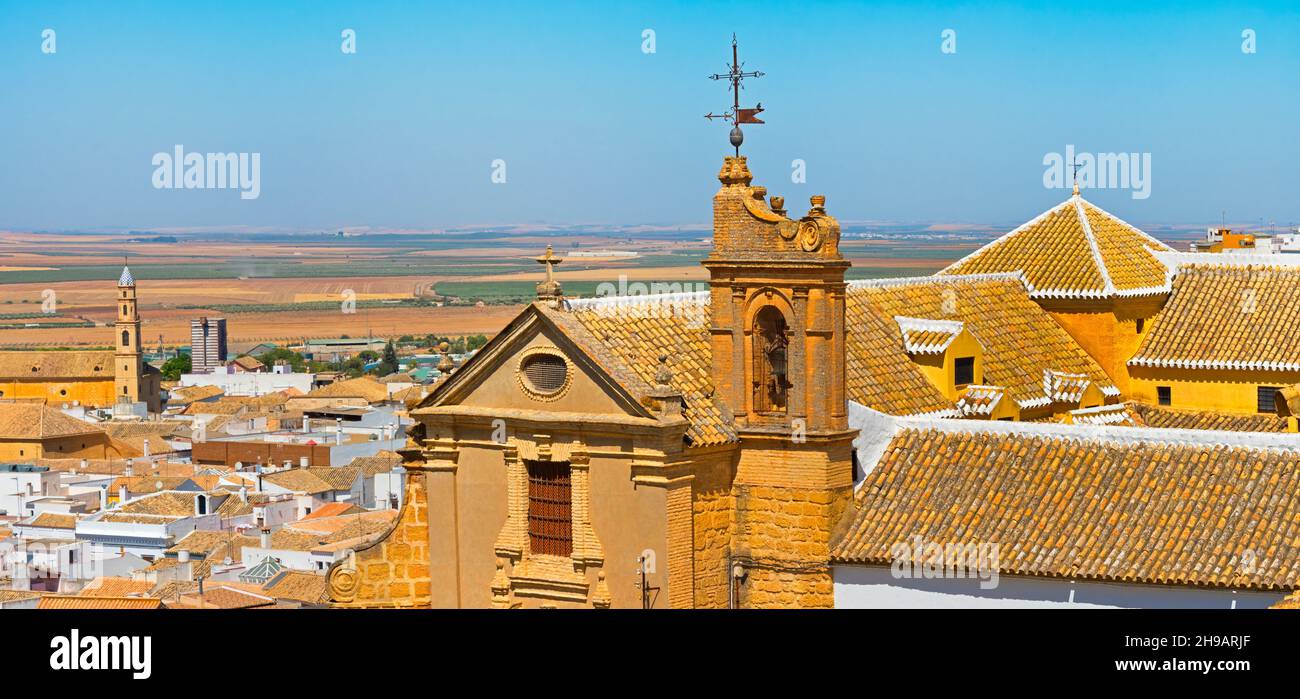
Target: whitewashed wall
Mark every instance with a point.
(874, 587)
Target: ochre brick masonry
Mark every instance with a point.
(393, 572)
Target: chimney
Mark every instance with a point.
(130, 468)
(338, 430)
(304, 462)
(243, 493)
(84, 464)
(186, 572)
(103, 497)
(146, 448)
(121, 495)
(266, 538)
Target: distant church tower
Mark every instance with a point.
(778, 329)
(128, 358)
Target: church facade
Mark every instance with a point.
(92, 378)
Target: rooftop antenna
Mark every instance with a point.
(737, 116)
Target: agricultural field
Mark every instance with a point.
(283, 287)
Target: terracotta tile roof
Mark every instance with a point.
(1021, 342)
(147, 484)
(36, 421)
(163, 429)
(879, 374)
(314, 480)
(1155, 416)
(1094, 503)
(299, 586)
(317, 534)
(116, 587)
(248, 363)
(17, 595)
(382, 462)
(53, 520)
(365, 387)
(407, 395)
(56, 365)
(630, 333)
(333, 509)
(980, 400)
(184, 395)
(1120, 414)
(172, 503)
(221, 596)
(1074, 250)
(1227, 317)
(88, 602)
(1291, 601)
(230, 405)
(235, 506)
(214, 545)
(927, 336)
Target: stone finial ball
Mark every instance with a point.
(737, 137)
(443, 346)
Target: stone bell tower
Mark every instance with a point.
(778, 336)
(128, 360)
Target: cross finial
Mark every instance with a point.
(549, 289)
(1075, 166)
(736, 75)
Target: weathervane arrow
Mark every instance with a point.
(737, 116)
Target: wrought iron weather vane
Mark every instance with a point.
(737, 116)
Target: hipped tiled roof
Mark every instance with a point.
(1075, 250)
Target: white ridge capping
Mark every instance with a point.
(877, 429)
(691, 297)
(1108, 286)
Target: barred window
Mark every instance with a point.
(546, 373)
(550, 508)
(1266, 399)
(1164, 396)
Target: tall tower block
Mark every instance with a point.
(778, 316)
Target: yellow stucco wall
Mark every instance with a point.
(90, 446)
(92, 392)
(1107, 330)
(939, 368)
(1213, 390)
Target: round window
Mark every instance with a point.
(543, 374)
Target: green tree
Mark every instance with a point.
(388, 365)
(174, 367)
(295, 360)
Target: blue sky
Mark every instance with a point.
(402, 134)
